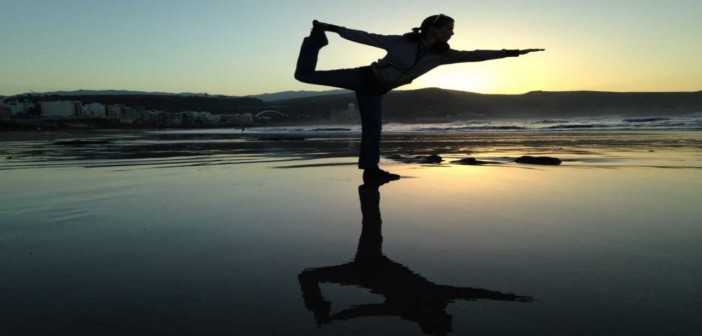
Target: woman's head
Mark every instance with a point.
(438, 26)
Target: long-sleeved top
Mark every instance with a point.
(406, 60)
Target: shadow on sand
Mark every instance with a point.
(407, 294)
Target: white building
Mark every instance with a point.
(64, 109)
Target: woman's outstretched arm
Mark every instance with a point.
(456, 56)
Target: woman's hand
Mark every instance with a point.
(526, 51)
(324, 26)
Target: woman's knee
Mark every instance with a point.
(303, 76)
(300, 76)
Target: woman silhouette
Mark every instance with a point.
(408, 57)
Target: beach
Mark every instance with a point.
(275, 233)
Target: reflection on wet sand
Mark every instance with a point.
(154, 149)
(407, 294)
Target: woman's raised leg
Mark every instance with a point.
(306, 70)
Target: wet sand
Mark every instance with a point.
(232, 235)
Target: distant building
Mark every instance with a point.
(62, 109)
(196, 117)
(185, 117)
(5, 112)
(159, 116)
(215, 118)
(348, 116)
(203, 117)
(114, 111)
(15, 106)
(135, 114)
(153, 116)
(129, 115)
(95, 110)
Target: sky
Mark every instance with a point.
(242, 47)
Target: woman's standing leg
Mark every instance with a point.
(370, 106)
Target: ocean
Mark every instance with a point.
(689, 122)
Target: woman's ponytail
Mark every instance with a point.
(438, 21)
(415, 35)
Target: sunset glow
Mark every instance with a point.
(249, 47)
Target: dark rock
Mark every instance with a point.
(539, 160)
(473, 162)
(399, 158)
(426, 159)
(433, 158)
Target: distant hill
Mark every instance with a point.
(286, 95)
(434, 104)
(431, 104)
(266, 97)
(119, 93)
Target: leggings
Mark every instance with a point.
(370, 102)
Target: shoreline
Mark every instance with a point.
(11, 136)
(661, 149)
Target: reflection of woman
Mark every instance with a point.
(407, 294)
(408, 57)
